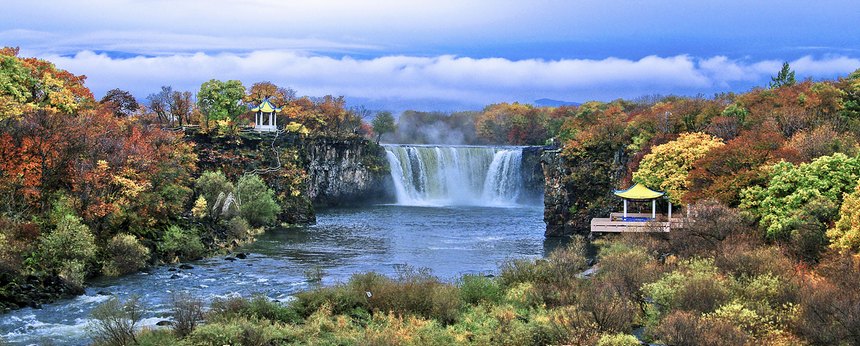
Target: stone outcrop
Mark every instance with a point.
(343, 172)
(556, 198)
(579, 190)
(532, 174)
(336, 171)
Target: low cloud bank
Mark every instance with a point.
(450, 78)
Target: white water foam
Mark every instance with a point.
(455, 175)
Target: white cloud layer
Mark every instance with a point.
(446, 78)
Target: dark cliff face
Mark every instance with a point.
(556, 198)
(532, 174)
(344, 172)
(579, 189)
(274, 158)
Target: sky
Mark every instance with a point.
(440, 54)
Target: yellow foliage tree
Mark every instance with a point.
(845, 234)
(667, 166)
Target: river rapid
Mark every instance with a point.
(450, 241)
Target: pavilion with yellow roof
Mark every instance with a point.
(266, 116)
(636, 222)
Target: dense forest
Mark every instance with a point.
(771, 254)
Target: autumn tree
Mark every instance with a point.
(725, 171)
(667, 166)
(119, 102)
(277, 95)
(512, 123)
(31, 84)
(383, 123)
(181, 105)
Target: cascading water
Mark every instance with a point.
(456, 175)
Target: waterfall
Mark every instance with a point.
(455, 175)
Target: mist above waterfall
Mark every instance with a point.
(456, 175)
(456, 128)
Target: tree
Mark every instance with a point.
(181, 106)
(845, 234)
(277, 95)
(668, 165)
(256, 201)
(725, 171)
(119, 102)
(383, 123)
(31, 84)
(221, 100)
(792, 189)
(785, 77)
(159, 103)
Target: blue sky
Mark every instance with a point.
(442, 54)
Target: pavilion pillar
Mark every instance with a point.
(653, 208)
(670, 210)
(625, 207)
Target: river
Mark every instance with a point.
(450, 240)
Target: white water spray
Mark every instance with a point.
(451, 175)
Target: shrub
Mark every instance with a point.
(185, 245)
(17, 241)
(258, 307)
(211, 184)
(187, 313)
(624, 269)
(148, 337)
(682, 328)
(746, 257)
(125, 254)
(549, 276)
(115, 322)
(619, 339)
(475, 289)
(238, 331)
(829, 311)
(68, 249)
(695, 286)
(256, 201)
(610, 311)
(711, 223)
(238, 228)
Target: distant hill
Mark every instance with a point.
(554, 103)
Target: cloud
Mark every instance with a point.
(448, 78)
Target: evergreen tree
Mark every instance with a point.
(785, 77)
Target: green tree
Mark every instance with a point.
(668, 165)
(256, 201)
(383, 123)
(791, 189)
(68, 249)
(785, 77)
(215, 190)
(221, 100)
